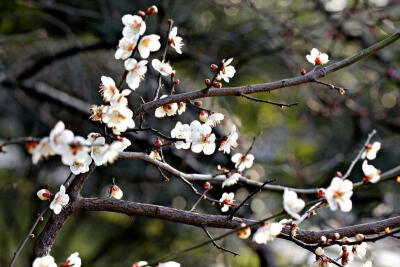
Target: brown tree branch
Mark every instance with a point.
(267, 87)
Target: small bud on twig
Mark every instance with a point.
(214, 67)
(360, 237)
(217, 84)
(177, 81)
(152, 10)
(32, 236)
(198, 103)
(207, 82)
(331, 87)
(141, 13)
(303, 72)
(206, 186)
(336, 236)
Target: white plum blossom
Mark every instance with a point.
(226, 71)
(292, 204)
(335, 5)
(103, 153)
(181, 131)
(339, 193)
(119, 118)
(181, 107)
(60, 138)
(371, 150)
(60, 200)
(155, 154)
(97, 112)
(46, 261)
(136, 71)
(80, 166)
(242, 161)
(43, 149)
(134, 25)
(214, 119)
(202, 138)
(379, 3)
(115, 192)
(108, 88)
(367, 264)
(244, 233)
(164, 68)
(203, 115)
(43, 194)
(77, 150)
(74, 260)
(230, 141)
(126, 46)
(371, 173)
(169, 264)
(267, 233)
(231, 180)
(317, 58)
(360, 250)
(149, 43)
(167, 109)
(140, 264)
(226, 200)
(175, 40)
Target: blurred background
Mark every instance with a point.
(65, 46)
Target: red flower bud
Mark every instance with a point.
(214, 67)
(217, 84)
(141, 13)
(177, 81)
(206, 185)
(303, 71)
(152, 10)
(331, 87)
(207, 82)
(339, 174)
(198, 103)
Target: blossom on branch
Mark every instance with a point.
(119, 118)
(60, 138)
(242, 161)
(292, 204)
(230, 141)
(126, 46)
(181, 131)
(73, 261)
(268, 232)
(181, 107)
(175, 40)
(214, 119)
(167, 109)
(134, 25)
(169, 264)
(371, 173)
(43, 194)
(77, 150)
(244, 233)
(108, 88)
(43, 149)
(164, 68)
(60, 200)
(371, 150)
(140, 264)
(226, 200)
(226, 71)
(202, 138)
(149, 43)
(231, 179)
(136, 71)
(317, 58)
(46, 261)
(115, 192)
(339, 193)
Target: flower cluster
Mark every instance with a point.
(199, 135)
(268, 232)
(76, 151)
(371, 174)
(48, 261)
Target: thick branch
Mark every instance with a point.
(267, 87)
(220, 221)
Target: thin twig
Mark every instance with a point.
(199, 199)
(259, 189)
(281, 105)
(159, 79)
(358, 156)
(216, 245)
(38, 219)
